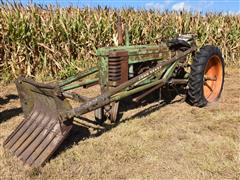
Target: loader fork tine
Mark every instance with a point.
(47, 148)
(31, 154)
(36, 143)
(25, 147)
(20, 130)
(23, 140)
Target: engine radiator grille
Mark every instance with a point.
(117, 68)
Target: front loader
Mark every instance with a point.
(131, 72)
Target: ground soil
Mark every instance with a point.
(150, 142)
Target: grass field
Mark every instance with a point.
(152, 142)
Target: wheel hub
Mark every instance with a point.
(213, 76)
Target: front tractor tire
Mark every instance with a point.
(206, 78)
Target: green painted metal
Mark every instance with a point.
(186, 76)
(143, 82)
(84, 83)
(170, 70)
(103, 72)
(133, 50)
(148, 82)
(78, 76)
(124, 94)
(114, 94)
(136, 54)
(138, 59)
(160, 74)
(156, 76)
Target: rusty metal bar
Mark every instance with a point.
(37, 84)
(147, 93)
(75, 97)
(119, 30)
(127, 43)
(179, 81)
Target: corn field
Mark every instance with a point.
(51, 42)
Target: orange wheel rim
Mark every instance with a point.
(213, 76)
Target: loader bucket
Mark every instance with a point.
(38, 136)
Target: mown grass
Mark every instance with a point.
(53, 42)
(175, 141)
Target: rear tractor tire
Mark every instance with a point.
(206, 78)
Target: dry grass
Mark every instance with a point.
(176, 140)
